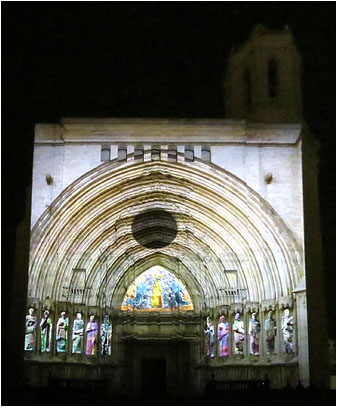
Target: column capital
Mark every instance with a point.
(236, 308)
(251, 307)
(268, 304)
(285, 302)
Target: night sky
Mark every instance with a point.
(125, 59)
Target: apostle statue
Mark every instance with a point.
(30, 330)
(287, 330)
(106, 333)
(209, 338)
(61, 333)
(46, 331)
(238, 329)
(254, 330)
(223, 336)
(270, 328)
(91, 330)
(77, 336)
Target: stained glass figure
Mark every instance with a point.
(287, 330)
(77, 336)
(254, 331)
(157, 289)
(270, 328)
(30, 330)
(106, 333)
(91, 330)
(223, 336)
(46, 331)
(238, 329)
(61, 333)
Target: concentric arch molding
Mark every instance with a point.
(227, 235)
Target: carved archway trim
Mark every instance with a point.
(223, 225)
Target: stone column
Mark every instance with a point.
(302, 333)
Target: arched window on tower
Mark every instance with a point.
(247, 88)
(273, 78)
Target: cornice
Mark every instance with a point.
(166, 131)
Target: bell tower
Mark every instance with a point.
(263, 78)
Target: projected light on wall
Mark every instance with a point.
(157, 289)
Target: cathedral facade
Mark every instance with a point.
(172, 252)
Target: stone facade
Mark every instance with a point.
(235, 191)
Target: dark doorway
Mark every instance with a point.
(154, 377)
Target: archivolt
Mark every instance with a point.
(223, 226)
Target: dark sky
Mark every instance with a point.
(125, 59)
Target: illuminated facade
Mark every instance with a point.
(175, 245)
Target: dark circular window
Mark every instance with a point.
(154, 228)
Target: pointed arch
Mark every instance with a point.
(222, 226)
(156, 289)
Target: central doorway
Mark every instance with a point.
(154, 376)
(157, 367)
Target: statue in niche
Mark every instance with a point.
(46, 331)
(254, 330)
(287, 330)
(270, 328)
(91, 330)
(61, 333)
(77, 336)
(106, 333)
(223, 337)
(238, 329)
(30, 330)
(209, 338)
